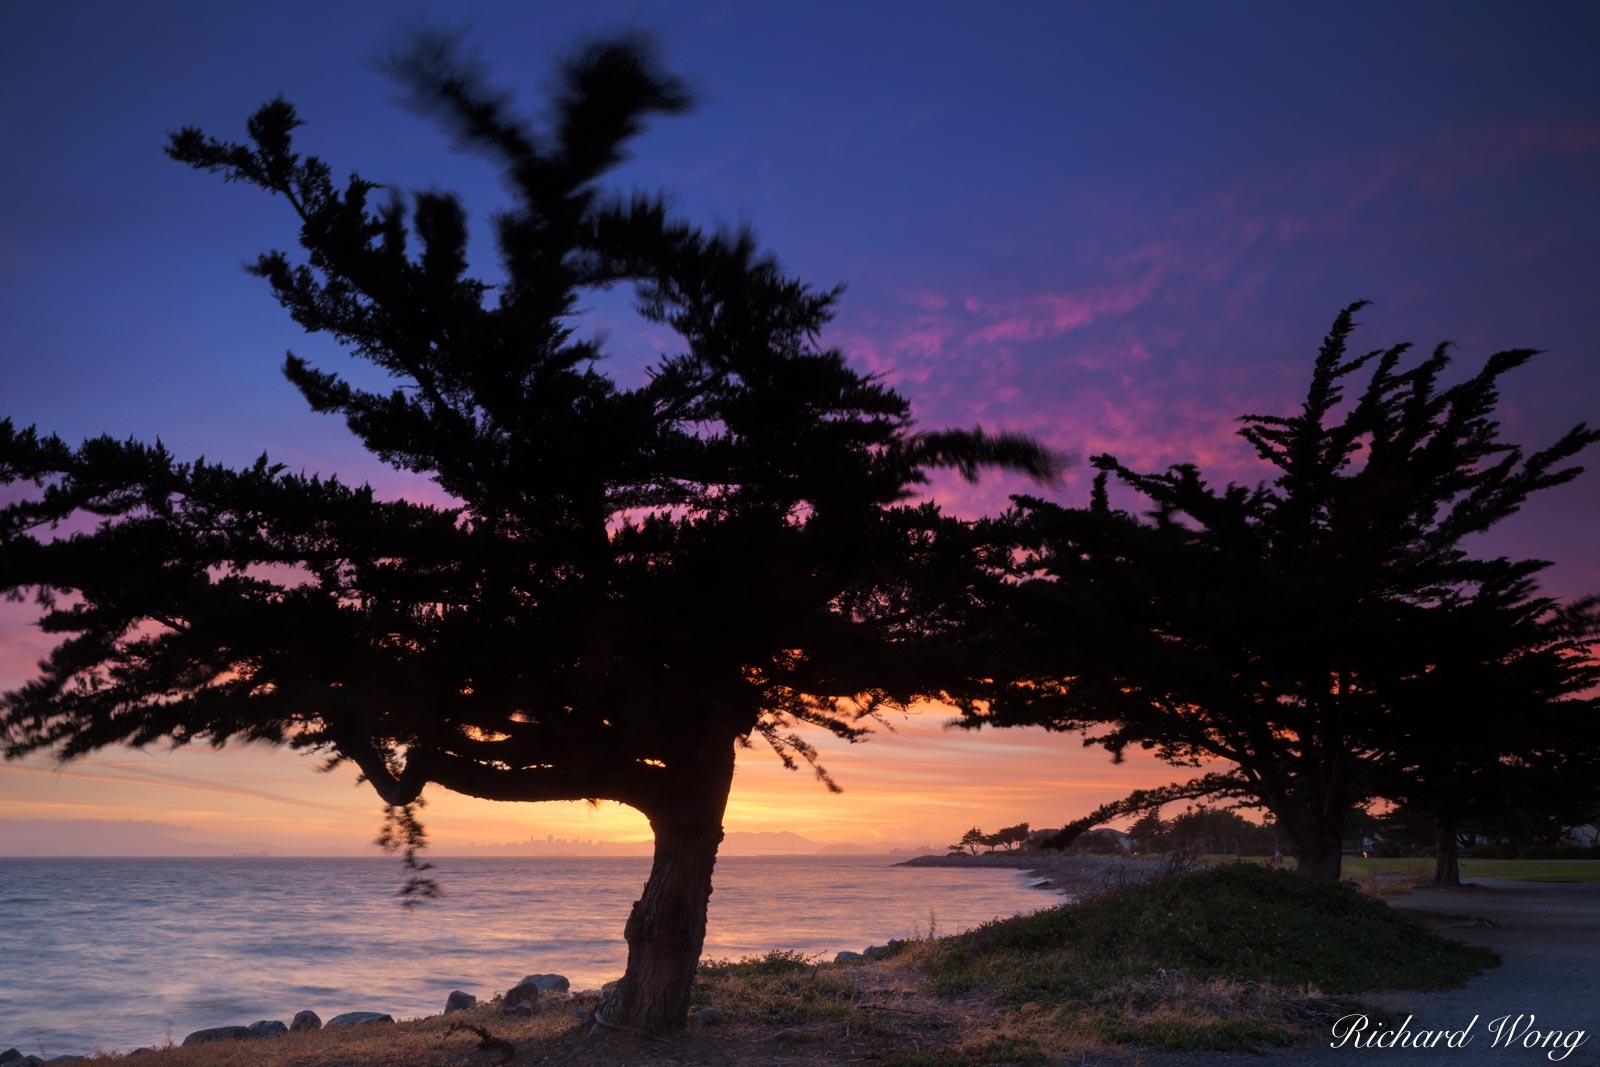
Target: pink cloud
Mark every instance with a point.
(1055, 314)
(1543, 136)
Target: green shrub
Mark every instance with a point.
(1241, 921)
(778, 961)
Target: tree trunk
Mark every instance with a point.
(1318, 851)
(1447, 854)
(667, 926)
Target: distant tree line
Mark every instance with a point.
(1205, 829)
(1008, 839)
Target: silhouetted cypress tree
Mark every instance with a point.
(1501, 716)
(636, 581)
(1279, 631)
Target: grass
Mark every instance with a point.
(1018, 1051)
(1236, 957)
(778, 989)
(1533, 870)
(1415, 869)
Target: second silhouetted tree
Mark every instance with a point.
(1307, 641)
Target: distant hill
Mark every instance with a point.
(767, 843)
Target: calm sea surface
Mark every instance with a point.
(118, 953)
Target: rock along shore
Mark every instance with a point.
(534, 993)
(1075, 877)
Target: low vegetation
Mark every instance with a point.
(1557, 870)
(1410, 871)
(1233, 957)
(781, 989)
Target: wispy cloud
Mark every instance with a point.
(127, 771)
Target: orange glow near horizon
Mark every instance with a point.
(914, 782)
(919, 783)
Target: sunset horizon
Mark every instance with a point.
(854, 534)
(1099, 307)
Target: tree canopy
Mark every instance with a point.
(634, 579)
(1497, 727)
(1308, 642)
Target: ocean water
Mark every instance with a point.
(117, 953)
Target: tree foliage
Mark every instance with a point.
(1497, 727)
(634, 578)
(1306, 642)
(1211, 830)
(1009, 838)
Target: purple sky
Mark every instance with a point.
(1114, 228)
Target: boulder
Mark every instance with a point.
(217, 1033)
(359, 1018)
(883, 952)
(459, 1001)
(705, 1017)
(548, 983)
(522, 999)
(305, 1020)
(849, 957)
(267, 1028)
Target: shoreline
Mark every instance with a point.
(734, 1032)
(1072, 877)
(36, 1023)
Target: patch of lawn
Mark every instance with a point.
(1532, 870)
(1421, 868)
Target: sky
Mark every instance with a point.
(1116, 227)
